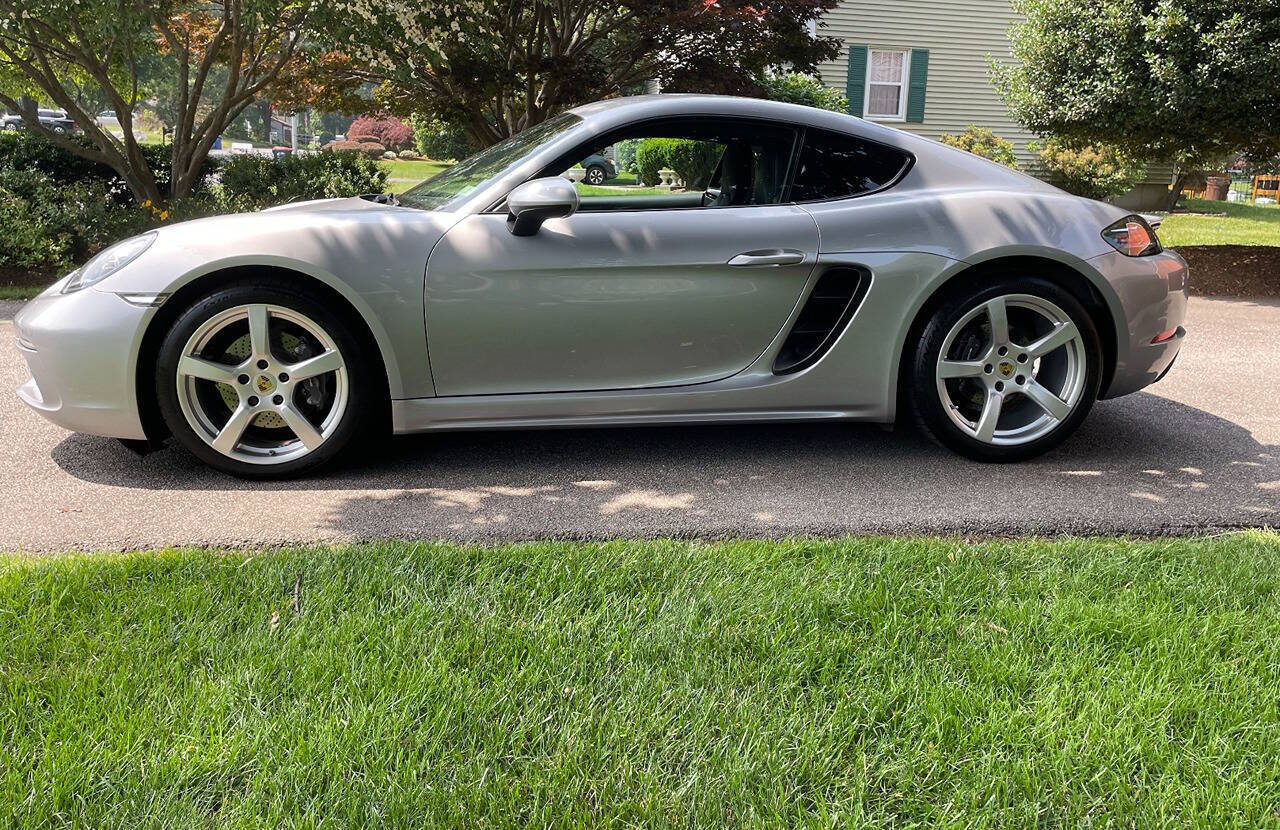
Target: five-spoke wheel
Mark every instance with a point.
(260, 381)
(1010, 370)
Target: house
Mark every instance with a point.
(922, 66)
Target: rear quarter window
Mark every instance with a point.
(838, 166)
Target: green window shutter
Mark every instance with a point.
(915, 88)
(857, 77)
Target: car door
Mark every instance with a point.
(613, 298)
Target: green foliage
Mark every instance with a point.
(52, 224)
(807, 90)
(28, 240)
(625, 154)
(873, 683)
(28, 150)
(983, 142)
(498, 68)
(439, 141)
(1090, 171)
(251, 182)
(1180, 79)
(693, 161)
(651, 156)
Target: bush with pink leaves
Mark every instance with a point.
(390, 132)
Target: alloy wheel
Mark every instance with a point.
(1011, 370)
(262, 384)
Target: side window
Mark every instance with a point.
(684, 163)
(836, 166)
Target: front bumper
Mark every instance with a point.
(81, 350)
(1152, 292)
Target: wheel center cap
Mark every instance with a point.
(1006, 368)
(264, 384)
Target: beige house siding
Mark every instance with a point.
(960, 35)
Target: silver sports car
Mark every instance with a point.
(797, 264)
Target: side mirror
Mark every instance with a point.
(534, 202)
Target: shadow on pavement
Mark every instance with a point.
(1140, 464)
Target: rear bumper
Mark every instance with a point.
(1152, 292)
(81, 350)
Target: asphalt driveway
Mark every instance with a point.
(1200, 451)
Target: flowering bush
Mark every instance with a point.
(1092, 171)
(390, 132)
(982, 142)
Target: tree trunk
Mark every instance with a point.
(1176, 192)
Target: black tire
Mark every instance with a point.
(365, 397)
(921, 384)
(596, 175)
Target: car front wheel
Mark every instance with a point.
(1006, 372)
(596, 175)
(263, 382)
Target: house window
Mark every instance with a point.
(887, 84)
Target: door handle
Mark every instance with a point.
(775, 256)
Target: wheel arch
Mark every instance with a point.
(202, 283)
(1077, 278)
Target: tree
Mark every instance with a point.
(222, 54)
(807, 90)
(499, 67)
(392, 133)
(1188, 81)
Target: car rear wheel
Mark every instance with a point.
(1006, 372)
(263, 382)
(596, 175)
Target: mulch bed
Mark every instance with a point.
(38, 277)
(1233, 270)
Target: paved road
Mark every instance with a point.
(1202, 450)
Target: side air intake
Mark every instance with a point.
(826, 312)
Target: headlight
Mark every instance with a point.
(108, 262)
(1132, 236)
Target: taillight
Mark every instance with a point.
(1132, 236)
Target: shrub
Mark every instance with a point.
(693, 161)
(625, 154)
(652, 156)
(409, 155)
(390, 155)
(1092, 171)
(29, 239)
(798, 88)
(52, 224)
(439, 141)
(390, 132)
(251, 182)
(371, 149)
(983, 142)
(25, 150)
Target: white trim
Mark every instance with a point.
(902, 95)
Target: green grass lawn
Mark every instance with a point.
(402, 175)
(20, 292)
(1222, 223)
(808, 683)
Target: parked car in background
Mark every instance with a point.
(55, 120)
(108, 121)
(599, 169)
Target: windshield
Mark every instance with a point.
(466, 177)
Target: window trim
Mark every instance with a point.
(904, 85)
